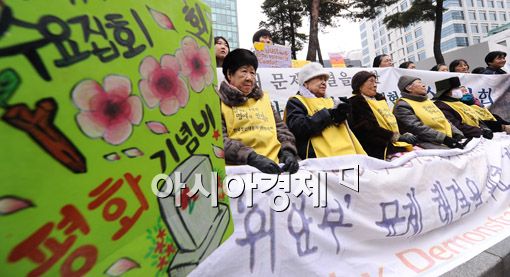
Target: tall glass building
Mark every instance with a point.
(224, 17)
(465, 23)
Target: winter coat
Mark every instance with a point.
(409, 122)
(236, 152)
(372, 137)
(456, 120)
(304, 125)
(492, 71)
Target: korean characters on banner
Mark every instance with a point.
(97, 98)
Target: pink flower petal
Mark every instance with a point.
(157, 127)
(189, 44)
(185, 68)
(132, 152)
(121, 266)
(162, 19)
(204, 55)
(169, 106)
(182, 93)
(112, 157)
(148, 96)
(170, 62)
(12, 204)
(117, 85)
(84, 92)
(89, 125)
(148, 65)
(118, 133)
(197, 83)
(136, 109)
(218, 152)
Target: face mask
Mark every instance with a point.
(457, 93)
(467, 99)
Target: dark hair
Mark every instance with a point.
(478, 70)
(493, 55)
(437, 66)
(378, 59)
(455, 63)
(261, 33)
(216, 39)
(237, 58)
(406, 64)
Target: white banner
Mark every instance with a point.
(281, 83)
(422, 214)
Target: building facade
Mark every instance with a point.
(224, 18)
(465, 23)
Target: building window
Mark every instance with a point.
(474, 28)
(500, 5)
(384, 49)
(482, 15)
(454, 42)
(403, 6)
(485, 28)
(392, 46)
(479, 3)
(490, 4)
(418, 32)
(472, 15)
(492, 16)
(421, 56)
(452, 3)
(454, 28)
(502, 16)
(410, 48)
(401, 52)
(453, 15)
(470, 3)
(409, 37)
(363, 26)
(383, 40)
(420, 44)
(400, 41)
(476, 40)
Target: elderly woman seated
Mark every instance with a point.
(372, 121)
(448, 95)
(418, 115)
(253, 131)
(319, 127)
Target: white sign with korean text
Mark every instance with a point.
(281, 83)
(421, 214)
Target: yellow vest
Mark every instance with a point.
(254, 125)
(468, 115)
(335, 140)
(430, 115)
(386, 120)
(483, 113)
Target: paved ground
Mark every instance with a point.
(494, 261)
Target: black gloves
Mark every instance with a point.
(409, 138)
(263, 164)
(290, 161)
(452, 143)
(487, 133)
(339, 113)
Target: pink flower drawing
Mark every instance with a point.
(195, 63)
(161, 84)
(109, 111)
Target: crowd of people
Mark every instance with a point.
(316, 126)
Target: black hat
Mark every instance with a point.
(261, 33)
(359, 79)
(444, 86)
(238, 58)
(493, 55)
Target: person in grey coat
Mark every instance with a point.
(431, 133)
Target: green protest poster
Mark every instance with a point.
(98, 97)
